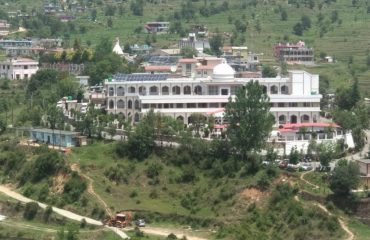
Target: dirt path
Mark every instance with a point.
(90, 188)
(342, 224)
(309, 183)
(167, 231)
(70, 215)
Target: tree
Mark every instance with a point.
(110, 22)
(306, 22)
(345, 177)
(93, 14)
(298, 29)
(268, 71)
(2, 126)
(284, 15)
(216, 43)
(188, 52)
(249, 117)
(30, 210)
(111, 130)
(347, 98)
(326, 153)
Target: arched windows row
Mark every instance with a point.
(120, 104)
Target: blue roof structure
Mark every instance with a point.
(121, 77)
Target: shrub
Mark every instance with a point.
(47, 213)
(154, 170)
(263, 182)
(171, 236)
(153, 194)
(46, 165)
(74, 188)
(30, 210)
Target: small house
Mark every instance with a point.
(58, 137)
(364, 166)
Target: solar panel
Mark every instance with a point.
(137, 77)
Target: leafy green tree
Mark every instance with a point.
(306, 22)
(326, 153)
(347, 98)
(249, 118)
(2, 126)
(345, 177)
(294, 156)
(188, 52)
(30, 210)
(216, 42)
(298, 29)
(284, 15)
(268, 71)
(93, 14)
(110, 22)
(112, 130)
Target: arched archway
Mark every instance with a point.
(305, 118)
(187, 90)
(198, 90)
(131, 89)
(165, 90)
(153, 90)
(176, 90)
(111, 104)
(274, 89)
(136, 117)
(129, 104)
(111, 91)
(264, 89)
(284, 89)
(293, 119)
(142, 91)
(137, 105)
(180, 119)
(120, 91)
(120, 104)
(282, 119)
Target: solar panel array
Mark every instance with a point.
(137, 77)
(163, 60)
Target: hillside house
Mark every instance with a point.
(18, 68)
(364, 166)
(157, 27)
(4, 27)
(57, 137)
(296, 53)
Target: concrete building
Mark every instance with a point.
(294, 99)
(4, 27)
(18, 68)
(157, 27)
(296, 53)
(57, 137)
(364, 166)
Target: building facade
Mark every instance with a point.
(18, 68)
(294, 99)
(296, 53)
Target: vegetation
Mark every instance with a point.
(345, 177)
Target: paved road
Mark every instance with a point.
(70, 215)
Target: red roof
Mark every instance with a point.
(220, 126)
(298, 125)
(158, 68)
(188, 60)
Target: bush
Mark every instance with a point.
(263, 182)
(30, 210)
(154, 170)
(171, 236)
(74, 188)
(46, 165)
(47, 213)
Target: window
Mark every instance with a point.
(25, 76)
(165, 90)
(176, 90)
(131, 90)
(305, 118)
(129, 104)
(190, 105)
(145, 106)
(224, 91)
(284, 90)
(280, 104)
(187, 90)
(142, 91)
(111, 104)
(137, 104)
(293, 104)
(120, 104)
(153, 90)
(25, 67)
(213, 105)
(223, 104)
(198, 90)
(179, 105)
(213, 90)
(282, 119)
(202, 105)
(306, 104)
(188, 67)
(274, 89)
(120, 91)
(111, 91)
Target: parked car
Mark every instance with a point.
(283, 164)
(305, 167)
(292, 167)
(322, 168)
(140, 223)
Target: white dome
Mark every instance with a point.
(223, 71)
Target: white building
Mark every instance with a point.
(18, 68)
(294, 99)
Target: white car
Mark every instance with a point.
(306, 167)
(140, 223)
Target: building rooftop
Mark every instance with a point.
(121, 77)
(367, 161)
(46, 130)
